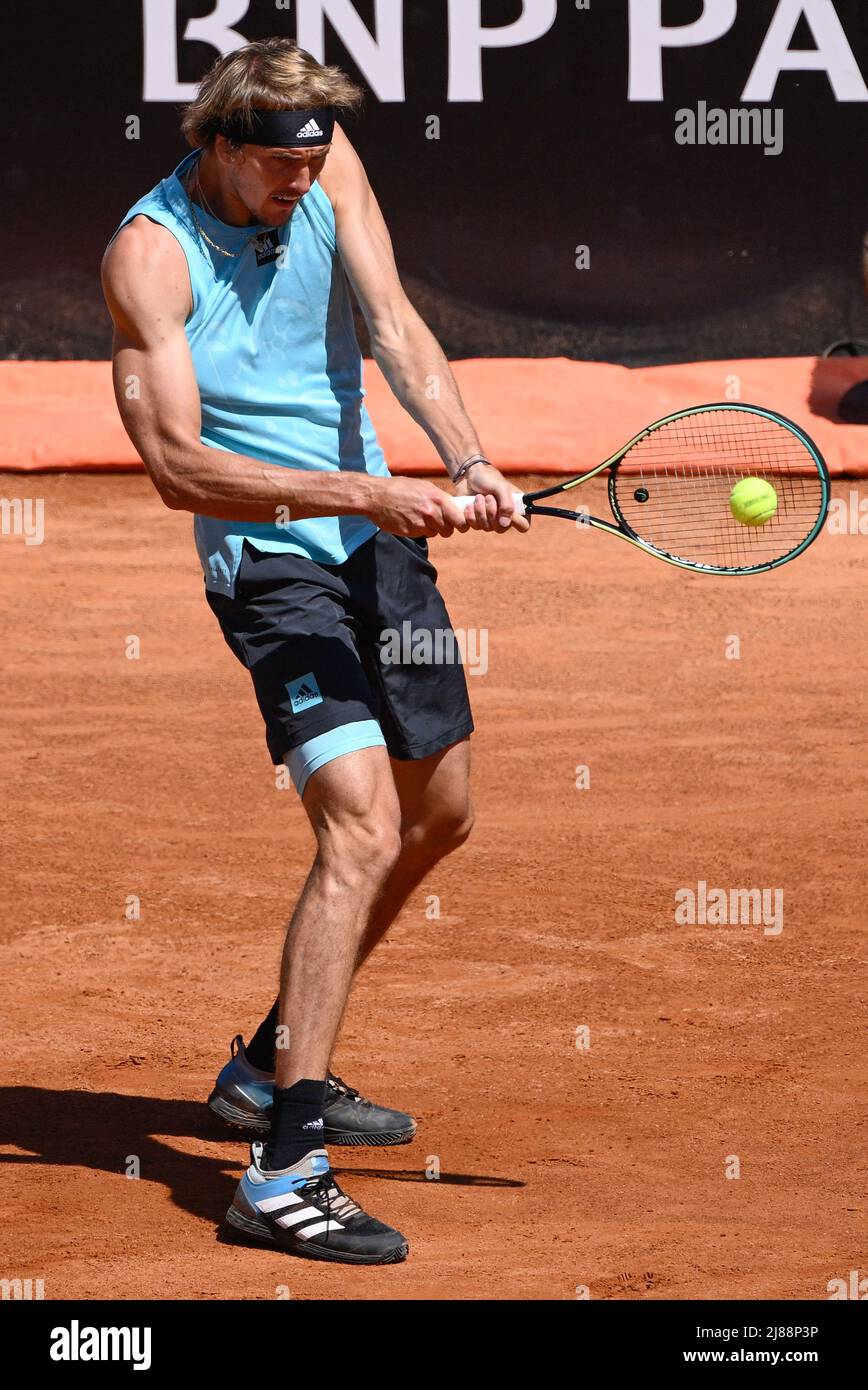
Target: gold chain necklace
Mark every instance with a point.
(216, 245)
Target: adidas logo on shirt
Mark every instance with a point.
(308, 131)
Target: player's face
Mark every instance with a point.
(271, 182)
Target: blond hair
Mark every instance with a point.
(269, 75)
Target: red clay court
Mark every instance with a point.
(560, 1169)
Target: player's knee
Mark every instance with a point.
(364, 849)
(381, 845)
(447, 830)
(459, 829)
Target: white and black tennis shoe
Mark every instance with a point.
(302, 1211)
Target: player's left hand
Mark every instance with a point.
(494, 507)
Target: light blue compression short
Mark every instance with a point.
(304, 761)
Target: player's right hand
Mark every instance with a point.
(415, 507)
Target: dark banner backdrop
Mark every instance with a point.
(560, 124)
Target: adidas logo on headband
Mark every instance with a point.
(282, 128)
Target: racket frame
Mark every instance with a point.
(626, 532)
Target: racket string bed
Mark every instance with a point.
(672, 489)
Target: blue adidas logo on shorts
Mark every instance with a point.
(304, 693)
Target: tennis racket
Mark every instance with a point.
(670, 490)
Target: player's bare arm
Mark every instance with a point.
(147, 288)
(402, 344)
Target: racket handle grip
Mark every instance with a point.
(465, 502)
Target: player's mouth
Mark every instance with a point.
(287, 199)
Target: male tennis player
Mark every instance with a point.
(239, 379)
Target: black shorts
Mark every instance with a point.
(320, 644)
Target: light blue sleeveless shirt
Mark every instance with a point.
(278, 365)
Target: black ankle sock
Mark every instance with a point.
(260, 1049)
(296, 1124)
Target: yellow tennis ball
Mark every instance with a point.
(753, 502)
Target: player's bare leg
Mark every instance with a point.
(436, 819)
(353, 807)
(355, 891)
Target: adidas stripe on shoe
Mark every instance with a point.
(302, 1211)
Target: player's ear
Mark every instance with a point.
(226, 152)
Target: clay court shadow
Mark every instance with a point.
(419, 1175)
(101, 1129)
